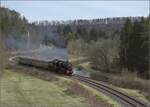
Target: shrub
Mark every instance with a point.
(131, 81)
(92, 99)
(102, 53)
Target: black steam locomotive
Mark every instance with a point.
(56, 65)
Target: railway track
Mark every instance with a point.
(124, 99)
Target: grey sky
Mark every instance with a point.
(67, 10)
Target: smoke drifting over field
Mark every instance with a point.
(46, 53)
(46, 35)
(20, 42)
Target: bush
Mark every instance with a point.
(99, 76)
(3, 58)
(131, 81)
(78, 47)
(102, 54)
(47, 76)
(92, 99)
(124, 79)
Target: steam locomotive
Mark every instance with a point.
(56, 65)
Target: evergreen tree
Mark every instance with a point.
(67, 29)
(102, 34)
(138, 51)
(11, 21)
(93, 35)
(82, 33)
(124, 42)
(134, 47)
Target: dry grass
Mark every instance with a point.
(47, 76)
(74, 88)
(71, 88)
(126, 80)
(3, 56)
(130, 80)
(21, 90)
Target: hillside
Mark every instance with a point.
(23, 90)
(15, 29)
(23, 86)
(30, 87)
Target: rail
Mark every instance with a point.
(126, 100)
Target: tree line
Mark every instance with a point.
(11, 21)
(134, 46)
(14, 29)
(126, 50)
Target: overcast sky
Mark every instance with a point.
(67, 10)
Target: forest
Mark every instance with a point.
(110, 44)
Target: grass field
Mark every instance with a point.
(20, 90)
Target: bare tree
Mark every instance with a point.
(101, 54)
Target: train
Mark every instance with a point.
(57, 65)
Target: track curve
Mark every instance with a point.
(124, 99)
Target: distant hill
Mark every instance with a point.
(15, 28)
(85, 29)
(11, 21)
